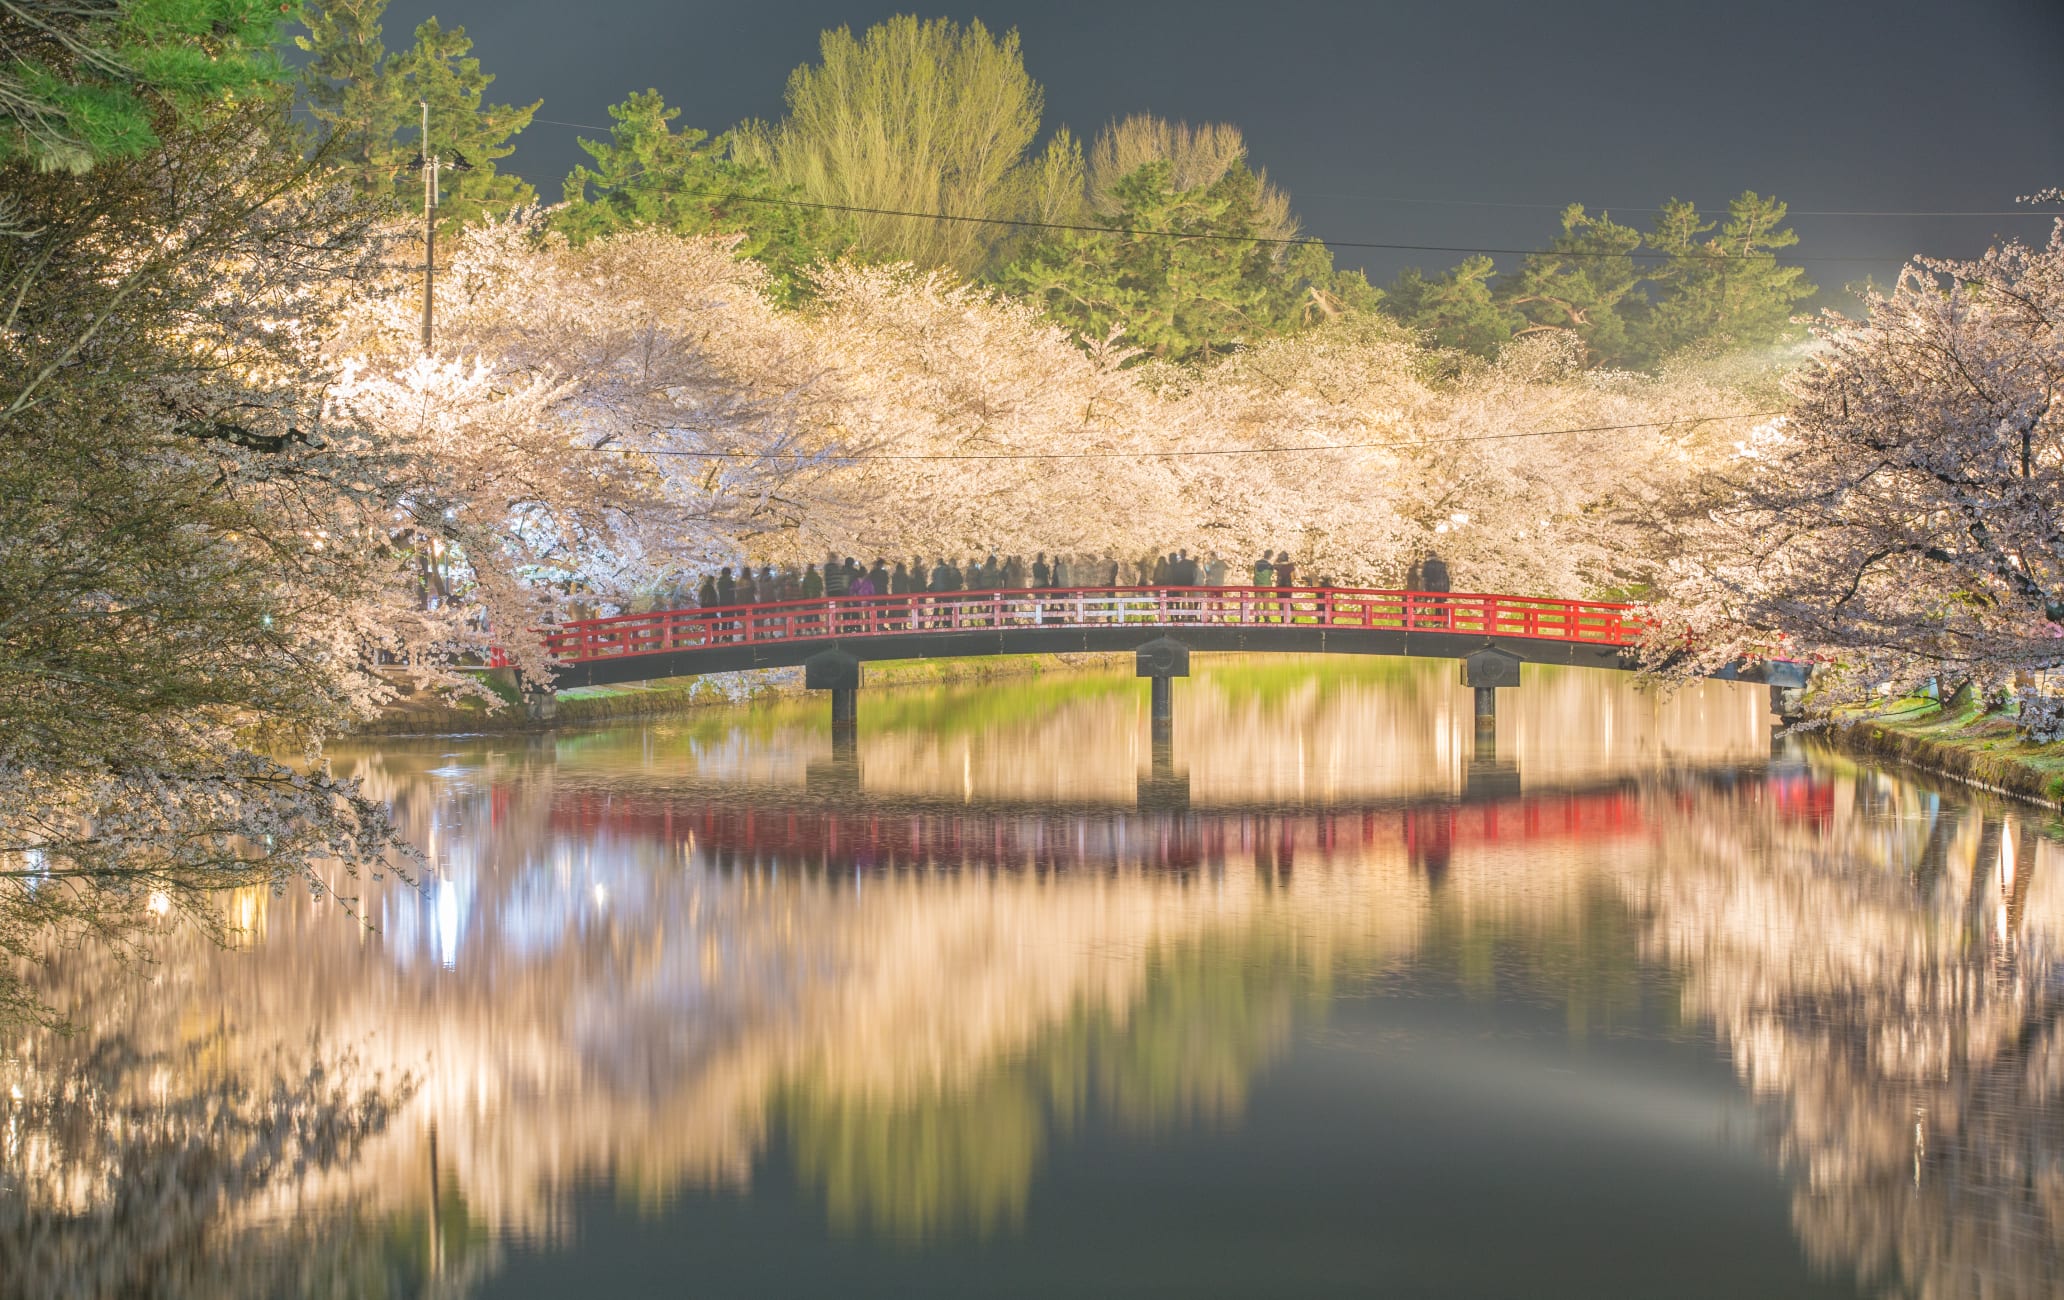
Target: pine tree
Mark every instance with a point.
(1182, 299)
(345, 89)
(1585, 282)
(1729, 291)
(369, 102)
(646, 174)
(439, 70)
(83, 82)
(1457, 310)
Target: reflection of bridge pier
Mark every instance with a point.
(1164, 789)
(838, 777)
(1488, 671)
(1161, 661)
(1487, 778)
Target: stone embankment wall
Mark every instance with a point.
(1982, 751)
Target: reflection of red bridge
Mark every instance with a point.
(818, 837)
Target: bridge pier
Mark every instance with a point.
(1162, 696)
(1161, 661)
(1487, 671)
(1788, 702)
(839, 673)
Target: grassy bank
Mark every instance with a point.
(668, 697)
(1966, 743)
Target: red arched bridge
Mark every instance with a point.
(1325, 620)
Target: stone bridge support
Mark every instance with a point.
(1161, 661)
(839, 673)
(1488, 671)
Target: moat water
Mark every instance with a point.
(1320, 997)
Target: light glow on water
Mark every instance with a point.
(1010, 1000)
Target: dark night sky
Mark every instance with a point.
(1452, 122)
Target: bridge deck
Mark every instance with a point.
(684, 642)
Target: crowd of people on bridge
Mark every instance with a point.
(1008, 592)
(945, 576)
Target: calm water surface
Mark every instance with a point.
(1006, 999)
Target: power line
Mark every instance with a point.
(1692, 422)
(1616, 207)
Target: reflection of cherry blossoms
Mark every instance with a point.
(153, 1169)
(1898, 999)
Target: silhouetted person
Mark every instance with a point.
(854, 573)
(1014, 573)
(941, 581)
(812, 589)
(879, 576)
(706, 595)
(899, 580)
(836, 579)
(1433, 574)
(727, 587)
(1042, 573)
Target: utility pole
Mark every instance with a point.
(429, 162)
(432, 164)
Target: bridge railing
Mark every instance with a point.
(827, 618)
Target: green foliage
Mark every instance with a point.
(648, 174)
(1458, 310)
(1585, 283)
(369, 102)
(345, 91)
(1182, 299)
(1723, 291)
(1728, 292)
(93, 80)
(913, 117)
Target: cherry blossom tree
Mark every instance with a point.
(1903, 518)
(606, 416)
(1342, 444)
